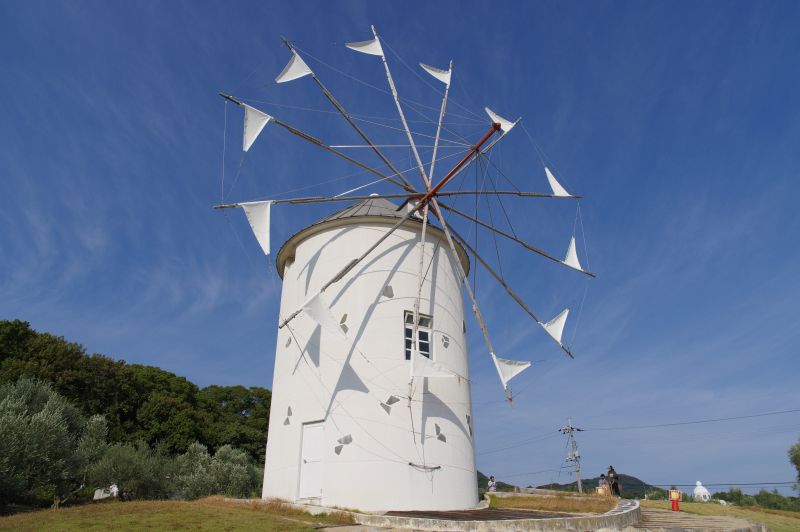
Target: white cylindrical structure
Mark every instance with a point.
(342, 430)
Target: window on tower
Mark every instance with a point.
(424, 333)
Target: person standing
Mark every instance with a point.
(492, 484)
(613, 481)
(603, 485)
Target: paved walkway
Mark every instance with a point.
(658, 520)
(483, 514)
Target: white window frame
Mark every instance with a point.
(424, 329)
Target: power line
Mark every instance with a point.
(525, 474)
(695, 422)
(533, 439)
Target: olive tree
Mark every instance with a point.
(46, 446)
(794, 457)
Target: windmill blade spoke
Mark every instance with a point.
(344, 156)
(420, 282)
(350, 121)
(519, 193)
(513, 238)
(508, 289)
(400, 111)
(353, 263)
(441, 77)
(465, 280)
(317, 142)
(320, 199)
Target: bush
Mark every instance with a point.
(138, 471)
(46, 445)
(794, 458)
(229, 472)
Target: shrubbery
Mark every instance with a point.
(46, 445)
(229, 472)
(765, 499)
(50, 452)
(138, 402)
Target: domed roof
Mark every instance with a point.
(368, 207)
(372, 210)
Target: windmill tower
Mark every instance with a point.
(355, 421)
(371, 395)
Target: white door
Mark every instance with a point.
(311, 462)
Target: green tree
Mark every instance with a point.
(46, 445)
(169, 420)
(138, 471)
(229, 472)
(794, 458)
(237, 416)
(234, 473)
(138, 402)
(193, 478)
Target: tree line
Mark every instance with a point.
(51, 454)
(139, 403)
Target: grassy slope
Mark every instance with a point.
(213, 513)
(630, 485)
(776, 520)
(585, 504)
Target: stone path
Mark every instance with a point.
(483, 514)
(661, 520)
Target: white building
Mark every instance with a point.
(342, 431)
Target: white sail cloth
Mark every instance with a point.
(555, 327)
(508, 369)
(438, 73)
(505, 124)
(258, 213)
(318, 309)
(254, 122)
(371, 47)
(296, 68)
(571, 259)
(558, 190)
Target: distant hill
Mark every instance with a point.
(501, 486)
(630, 486)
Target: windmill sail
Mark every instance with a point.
(555, 327)
(371, 47)
(571, 259)
(254, 122)
(296, 68)
(438, 73)
(258, 213)
(558, 190)
(505, 124)
(508, 369)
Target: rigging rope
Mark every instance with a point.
(426, 82)
(224, 142)
(404, 100)
(367, 120)
(491, 220)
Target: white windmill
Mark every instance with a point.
(371, 405)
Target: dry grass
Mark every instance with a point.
(776, 520)
(556, 503)
(213, 513)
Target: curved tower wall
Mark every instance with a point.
(341, 387)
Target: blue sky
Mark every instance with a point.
(677, 121)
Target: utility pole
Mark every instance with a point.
(573, 455)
